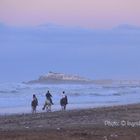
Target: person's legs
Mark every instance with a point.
(47, 108)
(33, 109)
(44, 106)
(51, 101)
(50, 107)
(64, 107)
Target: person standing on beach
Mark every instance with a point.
(34, 103)
(49, 97)
(63, 101)
(48, 102)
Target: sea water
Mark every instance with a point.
(17, 97)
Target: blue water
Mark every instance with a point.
(16, 97)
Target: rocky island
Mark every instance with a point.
(60, 78)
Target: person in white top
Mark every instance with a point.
(63, 94)
(63, 101)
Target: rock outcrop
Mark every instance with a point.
(60, 78)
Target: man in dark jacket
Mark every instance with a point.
(49, 96)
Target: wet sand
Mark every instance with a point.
(108, 123)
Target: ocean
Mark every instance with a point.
(16, 97)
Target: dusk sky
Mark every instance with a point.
(84, 13)
(98, 39)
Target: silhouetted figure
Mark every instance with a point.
(49, 97)
(34, 103)
(48, 102)
(63, 101)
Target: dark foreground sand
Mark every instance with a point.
(110, 123)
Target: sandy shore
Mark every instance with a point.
(109, 123)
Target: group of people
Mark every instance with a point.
(48, 102)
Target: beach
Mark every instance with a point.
(102, 123)
(78, 60)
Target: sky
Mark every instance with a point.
(94, 38)
(83, 13)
